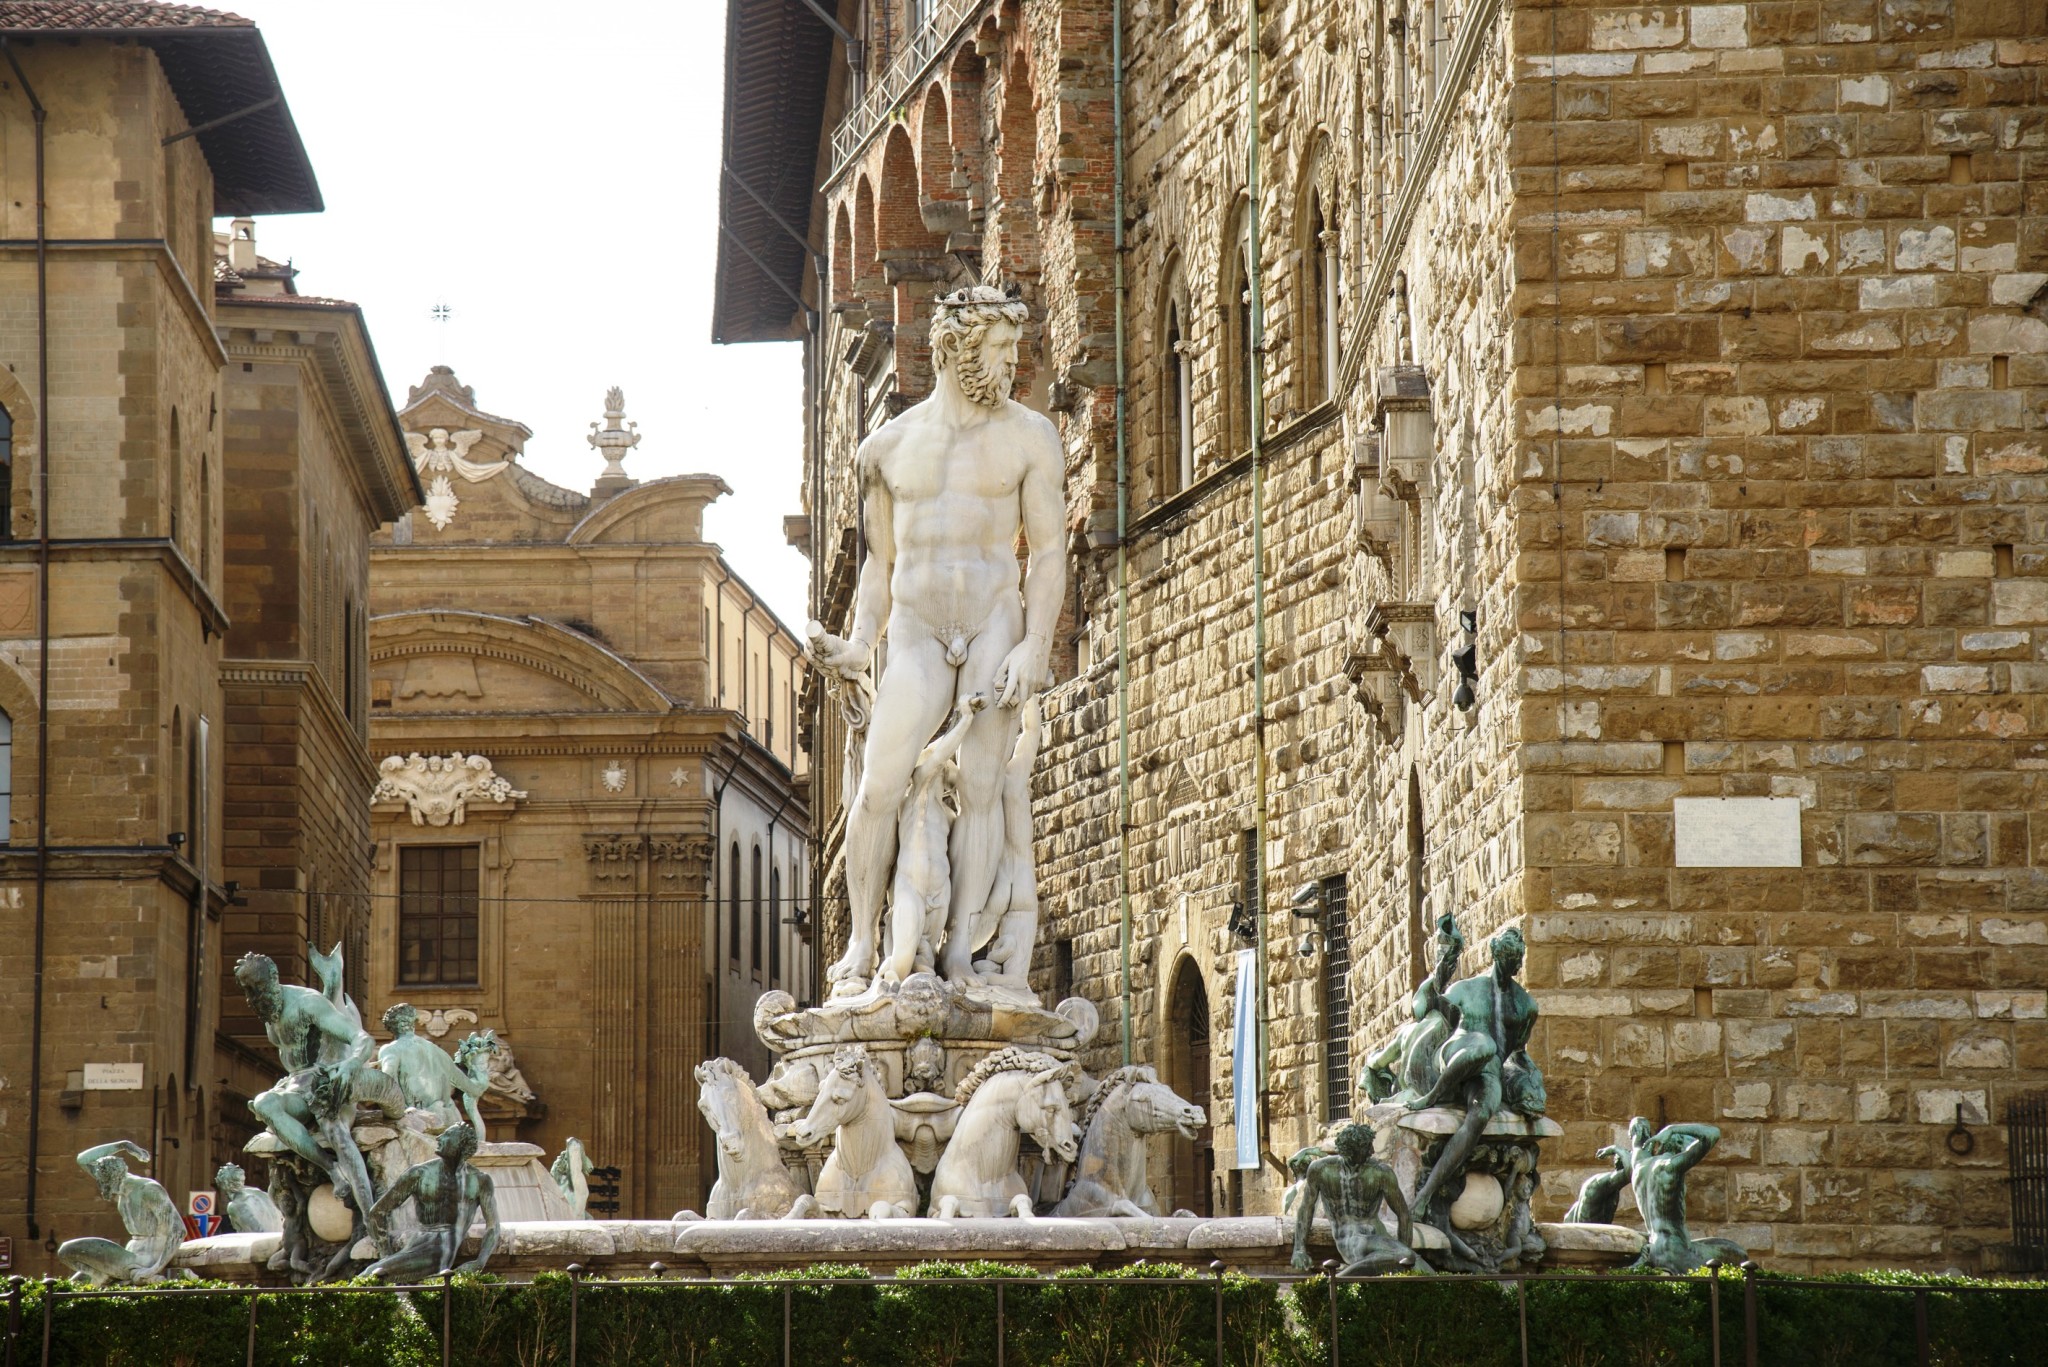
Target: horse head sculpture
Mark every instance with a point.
(1129, 1105)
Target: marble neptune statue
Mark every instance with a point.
(945, 490)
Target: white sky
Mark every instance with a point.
(551, 172)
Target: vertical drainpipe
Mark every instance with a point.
(1258, 425)
(1123, 509)
(35, 1065)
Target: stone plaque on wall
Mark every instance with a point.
(1736, 832)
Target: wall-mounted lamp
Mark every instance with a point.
(1242, 925)
(1466, 662)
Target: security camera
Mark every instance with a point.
(1307, 899)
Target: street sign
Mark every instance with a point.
(200, 1220)
(113, 1077)
(6, 1252)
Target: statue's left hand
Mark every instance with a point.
(1023, 671)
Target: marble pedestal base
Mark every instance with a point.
(723, 1248)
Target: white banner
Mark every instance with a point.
(1244, 1063)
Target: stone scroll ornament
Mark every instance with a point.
(955, 480)
(155, 1229)
(438, 789)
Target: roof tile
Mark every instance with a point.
(44, 16)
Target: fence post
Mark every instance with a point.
(1330, 1270)
(1714, 1312)
(1217, 1268)
(1522, 1314)
(1748, 1312)
(49, 1308)
(788, 1359)
(13, 1316)
(575, 1271)
(447, 1310)
(1921, 1349)
(249, 1358)
(1002, 1324)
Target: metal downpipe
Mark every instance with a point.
(1123, 511)
(1256, 400)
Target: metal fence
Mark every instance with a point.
(1738, 1306)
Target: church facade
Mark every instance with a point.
(589, 827)
(1567, 466)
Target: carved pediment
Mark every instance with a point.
(438, 789)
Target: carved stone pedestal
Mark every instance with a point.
(1480, 1221)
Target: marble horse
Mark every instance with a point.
(752, 1183)
(866, 1173)
(1010, 1093)
(1129, 1105)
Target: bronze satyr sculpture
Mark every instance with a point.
(446, 1191)
(1353, 1184)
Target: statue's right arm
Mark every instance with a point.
(878, 521)
(126, 1148)
(396, 1195)
(1305, 1218)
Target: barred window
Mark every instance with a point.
(1336, 1000)
(437, 914)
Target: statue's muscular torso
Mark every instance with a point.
(955, 512)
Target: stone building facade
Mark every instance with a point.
(1693, 355)
(313, 465)
(591, 834)
(115, 581)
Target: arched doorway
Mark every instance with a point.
(1191, 1161)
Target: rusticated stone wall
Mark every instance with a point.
(1730, 322)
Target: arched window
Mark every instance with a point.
(755, 958)
(1319, 302)
(178, 800)
(1237, 335)
(1191, 1161)
(1177, 409)
(1418, 884)
(775, 926)
(6, 778)
(174, 455)
(6, 475)
(732, 904)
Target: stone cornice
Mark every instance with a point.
(153, 249)
(349, 391)
(305, 676)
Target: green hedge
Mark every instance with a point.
(1079, 1318)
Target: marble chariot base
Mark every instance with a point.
(720, 1248)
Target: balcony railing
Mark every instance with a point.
(884, 96)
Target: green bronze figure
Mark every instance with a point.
(447, 1192)
(155, 1229)
(1353, 1185)
(1484, 1065)
(1657, 1168)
